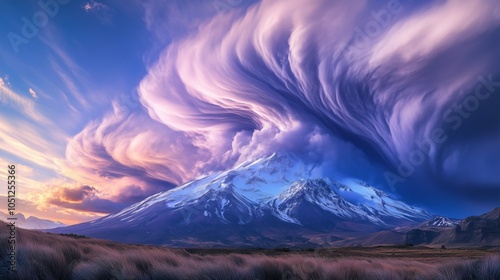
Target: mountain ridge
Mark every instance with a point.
(31, 222)
(473, 231)
(255, 197)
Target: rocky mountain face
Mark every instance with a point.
(475, 231)
(269, 202)
(483, 230)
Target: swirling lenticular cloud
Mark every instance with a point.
(333, 80)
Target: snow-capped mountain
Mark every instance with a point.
(439, 221)
(30, 222)
(304, 195)
(378, 204)
(256, 201)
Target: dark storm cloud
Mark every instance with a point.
(77, 194)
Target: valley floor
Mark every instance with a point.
(53, 256)
(425, 254)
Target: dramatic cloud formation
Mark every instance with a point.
(366, 84)
(130, 152)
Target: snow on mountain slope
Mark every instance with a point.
(259, 203)
(280, 184)
(228, 206)
(257, 181)
(439, 221)
(315, 192)
(377, 202)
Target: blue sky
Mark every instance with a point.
(111, 101)
(77, 64)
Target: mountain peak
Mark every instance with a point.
(266, 196)
(282, 156)
(439, 221)
(282, 160)
(31, 222)
(313, 188)
(492, 215)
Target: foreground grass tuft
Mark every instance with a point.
(51, 256)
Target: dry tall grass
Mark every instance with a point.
(50, 256)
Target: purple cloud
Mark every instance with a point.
(289, 76)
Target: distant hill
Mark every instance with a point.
(481, 230)
(31, 222)
(474, 231)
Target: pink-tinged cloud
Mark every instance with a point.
(33, 93)
(21, 104)
(290, 76)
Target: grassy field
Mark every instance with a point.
(381, 252)
(52, 256)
